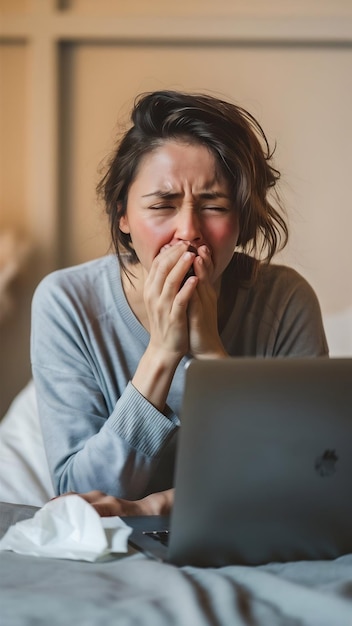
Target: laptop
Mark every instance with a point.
(264, 465)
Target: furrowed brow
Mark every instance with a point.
(207, 195)
(212, 195)
(162, 194)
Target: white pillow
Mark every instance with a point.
(338, 328)
(24, 472)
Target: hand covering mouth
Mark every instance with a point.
(191, 271)
(189, 249)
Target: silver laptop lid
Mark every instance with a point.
(264, 466)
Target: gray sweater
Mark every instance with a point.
(99, 432)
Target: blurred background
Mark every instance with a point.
(69, 73)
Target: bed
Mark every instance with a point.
(136, 590)
(133, 589)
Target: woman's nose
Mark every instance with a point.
(188, 226)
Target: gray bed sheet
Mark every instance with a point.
(134, 590)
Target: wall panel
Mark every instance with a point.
(12, 135)
(14, 216)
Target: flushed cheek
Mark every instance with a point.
(222, 242)
(149, 242)
(223, 236)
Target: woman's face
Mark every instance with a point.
(179, 195)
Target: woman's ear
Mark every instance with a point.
(123, 221)
(124, 225)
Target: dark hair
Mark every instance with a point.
(238, 144)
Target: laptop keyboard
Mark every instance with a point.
(159, 535)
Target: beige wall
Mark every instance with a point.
(67, 76)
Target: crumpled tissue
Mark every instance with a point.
(68, 528)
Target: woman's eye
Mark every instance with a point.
(158, 207)
(216, 209)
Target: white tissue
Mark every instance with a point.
(67, 528)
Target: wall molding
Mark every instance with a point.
(60, 26)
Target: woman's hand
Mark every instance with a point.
(204, 339)
(167, 310)
(183, 320)
(159, 503)
(166, 304)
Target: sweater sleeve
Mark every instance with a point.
(99, 432)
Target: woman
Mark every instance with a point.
(189, 192)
